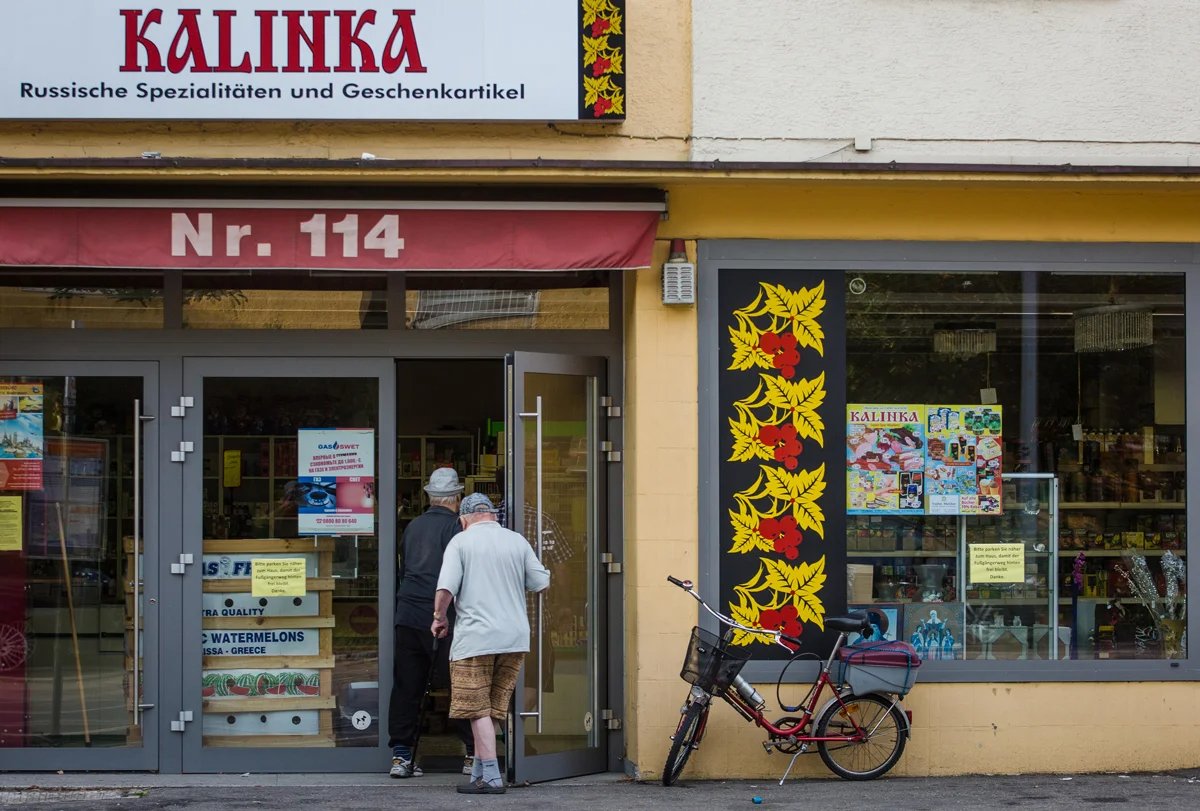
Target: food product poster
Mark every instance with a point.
(885, 459)
(963, 459)
(21, 435)
(335, 485)
(252, 683)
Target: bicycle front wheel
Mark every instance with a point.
(686, 738)
(882, 726)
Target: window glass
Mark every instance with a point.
(284, 300)
(40, 298)
(529, 300)
(1052, 431)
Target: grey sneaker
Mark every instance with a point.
(480, 787)
(468, 765)
(404, 768)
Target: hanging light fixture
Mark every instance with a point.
(964, 340)
(1113, 328)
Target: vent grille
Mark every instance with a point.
(679, 283)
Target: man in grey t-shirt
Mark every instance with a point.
(486, 570)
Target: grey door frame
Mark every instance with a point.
(169, 346)
(158, 647)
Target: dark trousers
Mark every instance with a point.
(412, 661)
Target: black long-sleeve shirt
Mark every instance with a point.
(421, 548)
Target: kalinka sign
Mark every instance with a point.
(468, 60)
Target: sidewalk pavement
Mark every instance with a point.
(366, 792)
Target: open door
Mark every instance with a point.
(556, 487)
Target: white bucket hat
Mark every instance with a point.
(443, 482)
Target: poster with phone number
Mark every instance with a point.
(335, 485)
(885, 459)
(963, 459)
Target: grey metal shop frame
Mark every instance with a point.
(717, 257)
(171, 346)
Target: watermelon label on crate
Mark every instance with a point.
(236, 683)
(280, 642)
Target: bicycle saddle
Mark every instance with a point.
(854, 621)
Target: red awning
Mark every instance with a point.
(406, 235)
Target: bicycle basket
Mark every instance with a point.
(879, 667)
(711, 664)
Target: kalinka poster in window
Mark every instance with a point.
(904, 459)
(963, 459)
(885, 459)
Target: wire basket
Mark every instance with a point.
(711, 664)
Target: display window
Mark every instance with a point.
(1032, 506)
(991, 459)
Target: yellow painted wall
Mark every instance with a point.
(959, 728)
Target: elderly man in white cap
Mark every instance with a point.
(421, 548)
(486, 571)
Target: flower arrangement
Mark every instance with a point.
(1170, 604)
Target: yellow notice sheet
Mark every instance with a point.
(277, 577)
(10, 523)
(996, 563)
(231, 472)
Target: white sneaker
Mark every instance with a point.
(404, 768)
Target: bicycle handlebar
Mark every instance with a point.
(782, 639)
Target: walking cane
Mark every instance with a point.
(424, 700)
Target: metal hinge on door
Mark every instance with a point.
(184, 449)
(610, 455)
(185, 717)
(610, 565)
(185, 560)
(610, 409)
(184, 404)
(610, 719)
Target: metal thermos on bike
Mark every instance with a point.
(749, 694)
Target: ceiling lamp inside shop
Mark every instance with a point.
(1113, 328)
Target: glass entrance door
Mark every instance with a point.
(78, 562)
(282, 462)
(557, 487)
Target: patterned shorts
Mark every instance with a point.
(483, 685)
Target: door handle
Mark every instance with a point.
(136, 675)
(536, 415)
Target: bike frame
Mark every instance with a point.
(786, 734)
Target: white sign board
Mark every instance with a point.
(217, 604)
(272, 642)
(456, 60)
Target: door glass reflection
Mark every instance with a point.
(66, 562)
(567, 666)
(290, 659)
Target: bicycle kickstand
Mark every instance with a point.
(803, 748)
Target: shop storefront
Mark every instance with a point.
(174, 427)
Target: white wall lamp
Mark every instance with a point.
(678, 276)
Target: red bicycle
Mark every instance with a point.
(860, 731)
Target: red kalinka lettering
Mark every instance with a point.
(316, 42)
(193, 51)
(136, 37)
(408, 46)
(348, 37)
(224, 55)
(188, 50)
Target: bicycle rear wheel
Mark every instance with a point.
(686, 738)
(884, 730)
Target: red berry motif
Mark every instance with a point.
(600, 26)
(782, 440)
(782, 349)
(601, 66)
(784, 533)
(784, 619)
(601, 107)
